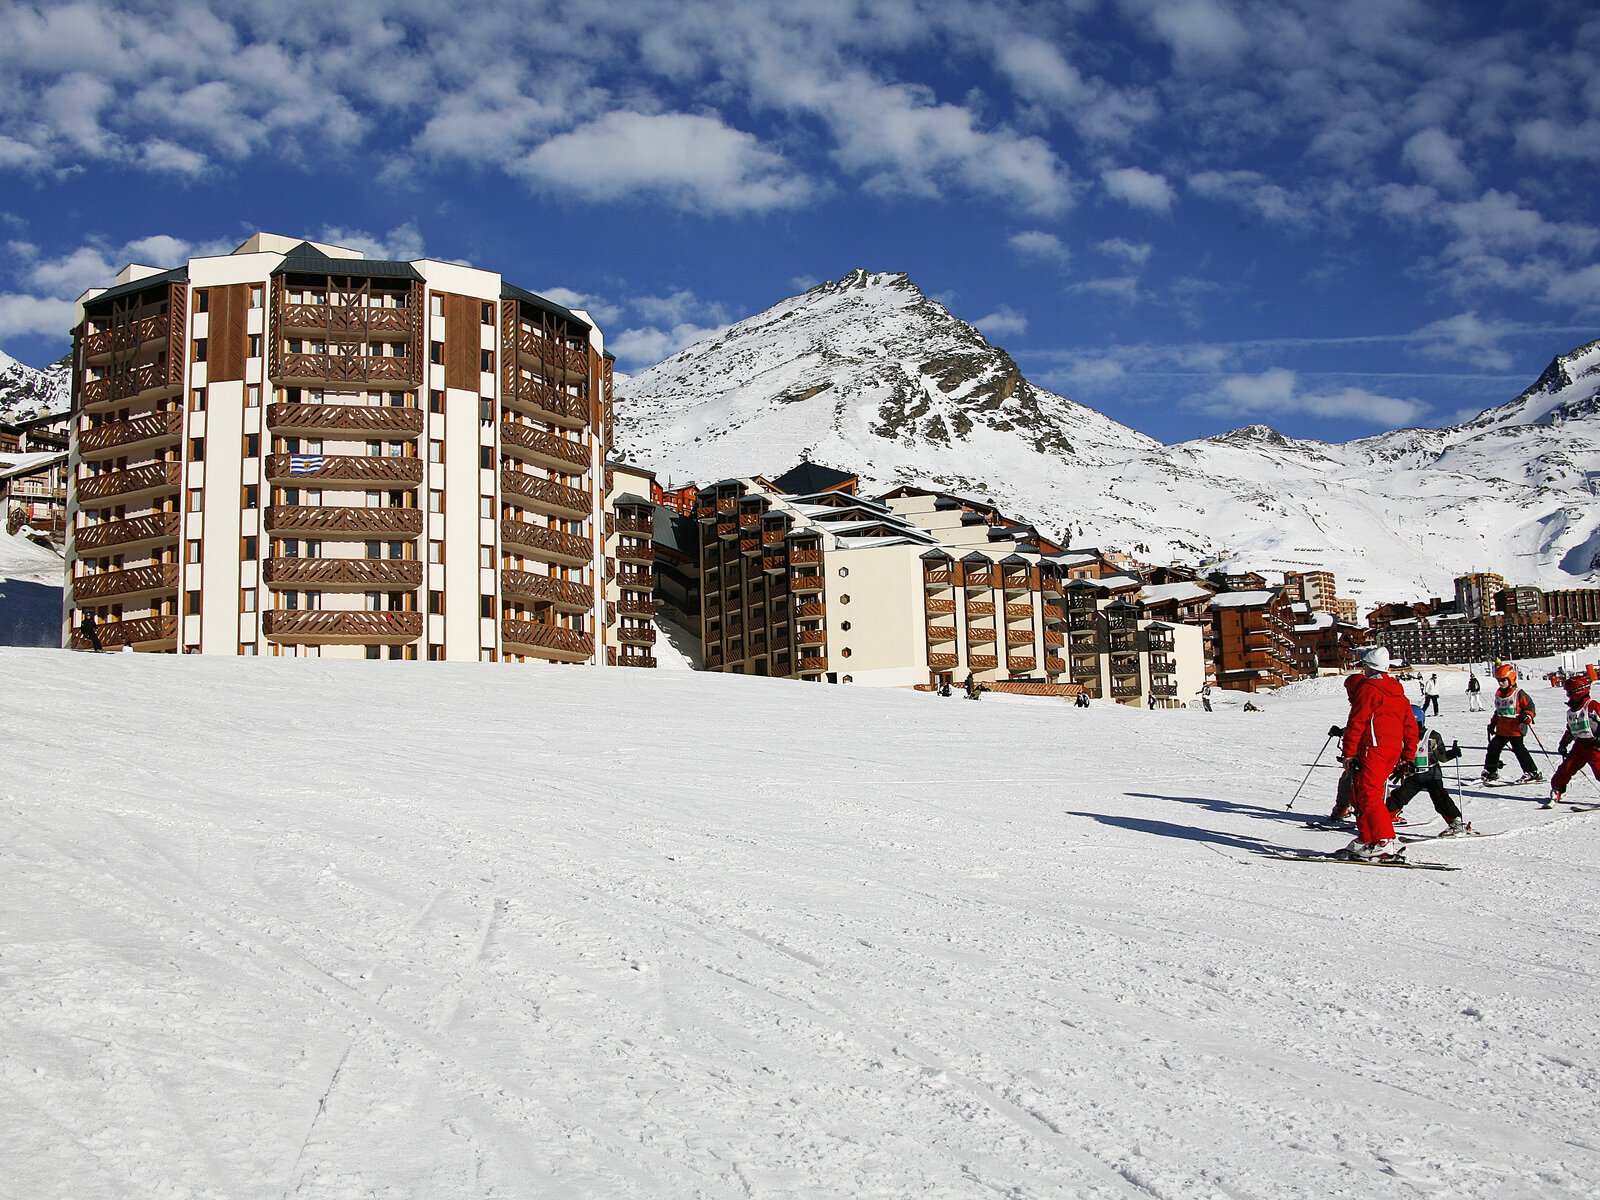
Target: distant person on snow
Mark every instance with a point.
(1513, 716)
(1380, 731)
(1205, 696)
(1580, 744)
(973, 688)
(91, 630)
(1430, 694)
(1425, 772)
(1474, 693)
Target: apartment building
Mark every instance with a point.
(295, 450)
(1253, 639)
(1577, 604)
(919, 588)
(1506, 636)
(1475, 593)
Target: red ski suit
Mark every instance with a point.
(1583, 727)
(1380, 731)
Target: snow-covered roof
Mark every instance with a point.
(1314, 621)
(1161, 592)
(25, 464)
(1243, 599)
(1066, 558)
(1117, 582)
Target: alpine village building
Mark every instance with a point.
(294, 450)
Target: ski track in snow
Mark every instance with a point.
(271, 929)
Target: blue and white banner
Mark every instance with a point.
(305, 464)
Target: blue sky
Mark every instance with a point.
(1330, 217)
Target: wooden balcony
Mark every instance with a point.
(1014, 581)
(982, 662)
(153, 580)
(342, 574)
(637, 581)
(346, 318)
(142, 633)
(635, 660)
(126, 535)
(980, 608)
(1019, 637)
(547, 545)
(132, 487)
(636, 606)
(389, 421)
(1164, 690)
(645, 554)
(641, 526)
(726, 504)
(713, 658)
(943, 660)
(1160, 664)
(811, 608)
(933, 605)
(1086, 668)
(146, 379)
(727, 529)
(805, 583)
(1161, 643)
(544, 401)
(373, 472)
(804, 555)
(750, 545)
(1052, 638)
(809, 665)
(811, 637)
(1019, 610)
(138, 437)
(567, 358)
(1021, 663)
(637, 635)
(932, 579)
(977, 635)
(1082, 618)
(566, 595)
(773, 537)
(776, 563)
(126, 336)
(545, 496)
(336, 523)
(941, 633)
(750, 520)
(544, 449)
(974, 579)
(1125, 664)
(317, 627)
(360, 369)
(1124, 691)
(545, 641)
(1054, 664)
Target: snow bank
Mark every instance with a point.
(298, 927)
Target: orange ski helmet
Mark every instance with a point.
(1578, 687)
(1506, 673)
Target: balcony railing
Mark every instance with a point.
(1054, 664)
(634, 605)
(341, 523)
(727, 529)
(357, 470)
(1019, 610)
(978, 635)
(812, 637)
(548, 545)
(635, 660)
(569, 358)
(977, 579)
(342, 574)
(638, 635)
(805, 583)
(811, 664)
(1052, 638)
(980, 608)
(772, 537)
(943, 660)
(155, 578)
(982, 662)
(1122, 691)
(639, 581)
(936, 578)
(121, 337)
(118, 436)
(933, 605)
(547, 641)
(941, 633)
(545, 449)
(805, 555)
(319, 627)
(750, 545)
(139, 631)
(159, 527)
(349, 368)
(1082, 619)
(1085, 669)
(349, 317)
(546, 402)
(563, 593)
(389, 420)
(1021, 663)
(774, 562)
(1161, 643)
(545, 495)
(636, 554)
(120, 385)
(123, 487)
(1164, 689)
(811, 608)
(1019, 637)
(642, 526)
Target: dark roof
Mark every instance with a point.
(176, 275)
(808, 478)
(510, 291)
(628, 499)
(306, 259)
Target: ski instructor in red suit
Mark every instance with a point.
(1380, 731)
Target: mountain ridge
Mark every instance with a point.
(868, 374)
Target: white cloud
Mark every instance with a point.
(1251, 189)
(1197, 31)
(1124, 288)
(401, 244)
(598, 307)
(676, 308)
(1277, 391)
(44, 316)
(1136, 253)
(804, 283)
(646, 347)
(1436, 157)
(1544, 138)
(1004, 321)
(1038, 246)
(1466, 336)
(1140, 188)
(694, 162)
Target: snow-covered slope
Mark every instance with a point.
(28, 391)
(274, 927)
(868, 374)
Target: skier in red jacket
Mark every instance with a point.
(1582, 736)
(1380, 731)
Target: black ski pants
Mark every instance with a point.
(1430, 700)
(1491, 764)
(1437, 792)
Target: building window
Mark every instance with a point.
(486, 606)
(436, 450)
(486, 457)
(252, 396)
(247, 649)
(197, 449)
(486, 314)
(436, 352)
(486, 410)
(436, 603)
(435, 653)
(486, 557)
(247, 600)
(486, 507)
(255, 345)
(486, 361)
(200, 350)
(197, 400)
(247, 548)
(435, 402)
(191, 604)
(194, 500)
(436, 304)
(192, 552)
(252, 496)
(844, 599)
(435, 501)
(252, 445)
(255, 296)
(436, 552)
(202, 301)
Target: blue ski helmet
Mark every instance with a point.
(1421, 720)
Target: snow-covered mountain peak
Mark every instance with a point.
(29, 391)
(1568, 389)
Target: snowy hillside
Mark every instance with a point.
(279, 928)
(27, 391)
(868, 374)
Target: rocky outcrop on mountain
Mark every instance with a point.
(869, 375)
(28, 391)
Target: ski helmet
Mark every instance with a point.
(1375, 658)
(1418, 711)
(1506, 673)
(1578, 687)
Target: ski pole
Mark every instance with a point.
(1307, 779)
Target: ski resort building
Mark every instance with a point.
(1253, 639)
(919, 588)
(295, 450)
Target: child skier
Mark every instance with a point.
(1513, 717)
(1474, 693)
(1581, 742)
(1380, 731)
(1425, 772)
